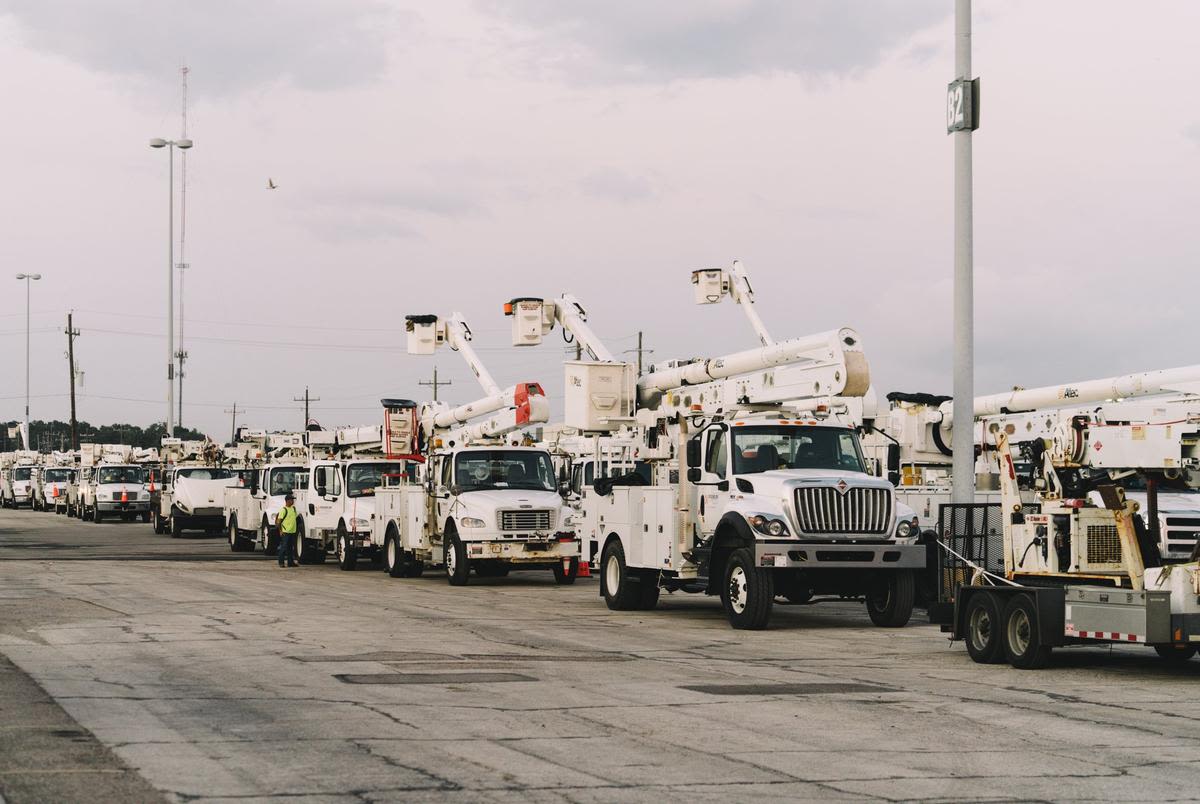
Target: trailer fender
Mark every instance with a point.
(1049, 601)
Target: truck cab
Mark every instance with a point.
(337, 509)
(17, 488)
(191, 498)
(250, 508)
(116, 489)
(51, 490)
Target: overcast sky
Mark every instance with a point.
(433, 157)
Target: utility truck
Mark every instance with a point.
(759, 484)
(278, 466)
(53, 481)
(337, 508)
(190, 488)
(486, 502)
(17, 479)
(1079, 565)
(114, 485)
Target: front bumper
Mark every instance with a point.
(133, 506)
(792, 554)
(532, 551)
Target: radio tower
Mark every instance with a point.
(181, 354)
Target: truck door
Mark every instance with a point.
(441, 490)
(712, 492)
(325, 497)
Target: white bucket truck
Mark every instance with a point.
(486, 502)
(17, 479)
(758, 489)
(53, 482)
(115, 484)
(278, 466)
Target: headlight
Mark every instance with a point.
(771, 527)
(906, 529)
(472, 522)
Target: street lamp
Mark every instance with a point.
(170, 145)
(29, 280)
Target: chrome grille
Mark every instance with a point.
(129, 495)
(824, 509)
(1103, 544)
(525, 520)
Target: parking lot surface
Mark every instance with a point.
(175, 669)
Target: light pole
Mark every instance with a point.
(29, 280)
(170, 145)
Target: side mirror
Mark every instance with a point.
(456, 490)
(564, 488)
(693, 454)
(321, 491)
(693, 474)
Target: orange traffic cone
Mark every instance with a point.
(585, 570)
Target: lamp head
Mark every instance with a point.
(185, 144)
(158, 142)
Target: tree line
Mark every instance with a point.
(56, 435)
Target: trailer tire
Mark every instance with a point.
(458, 567)
(890, 599)
(748, 592)
(347, 555)
(984, 629)
(566, 577)
(1172, 654)
(1022, 640)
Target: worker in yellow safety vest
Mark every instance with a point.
(285, 523)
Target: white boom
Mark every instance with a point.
(519, 405)
(1185, 379)
(713, 284)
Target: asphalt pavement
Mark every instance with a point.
(141, 667)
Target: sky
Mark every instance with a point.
(441, 157)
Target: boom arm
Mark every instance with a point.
(711, 285)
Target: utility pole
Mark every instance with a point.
(306, 399)
(436, 383)
(961, 120)
(640, 350)
(233, 428)
(181, 354)
(72, 334)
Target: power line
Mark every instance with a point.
(436, 383)
(306, 399)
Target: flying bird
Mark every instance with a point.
(271, 185)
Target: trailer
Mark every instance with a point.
(1079, 566)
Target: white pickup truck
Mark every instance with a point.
(250, 511)
(487, 508)
(337, 507)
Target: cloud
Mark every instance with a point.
(635, 40)
(613, 184)
(1192, 132)
(316, 44)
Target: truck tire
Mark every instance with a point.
(156, 522)
(414, 569)
(97, 517)
(270, 540)
(1022, 640)
(302, 548)
(145, 516)
(985, 634)
(175, 526)
(458, 568)
(621, 592)
(238, 544)
(648, 592)
(347, 555)
(890, 599)
(393, 553)
(566, 577)
(1175, 654)
(748, 592)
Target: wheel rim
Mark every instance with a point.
(612, 574)
(738, 593)
(881, 597)
(981, 628)
(451, 558)
(299, 549)
(391, 553)
(1019, 632)
(342, 548)
(233, 535)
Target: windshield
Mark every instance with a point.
(21, 473)
(762, 449)
(618, 468)
(120, 474)
(289, 479)
(204, 473)
(504, 469)
(56, 475)
(245, 476)
(363, 478)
